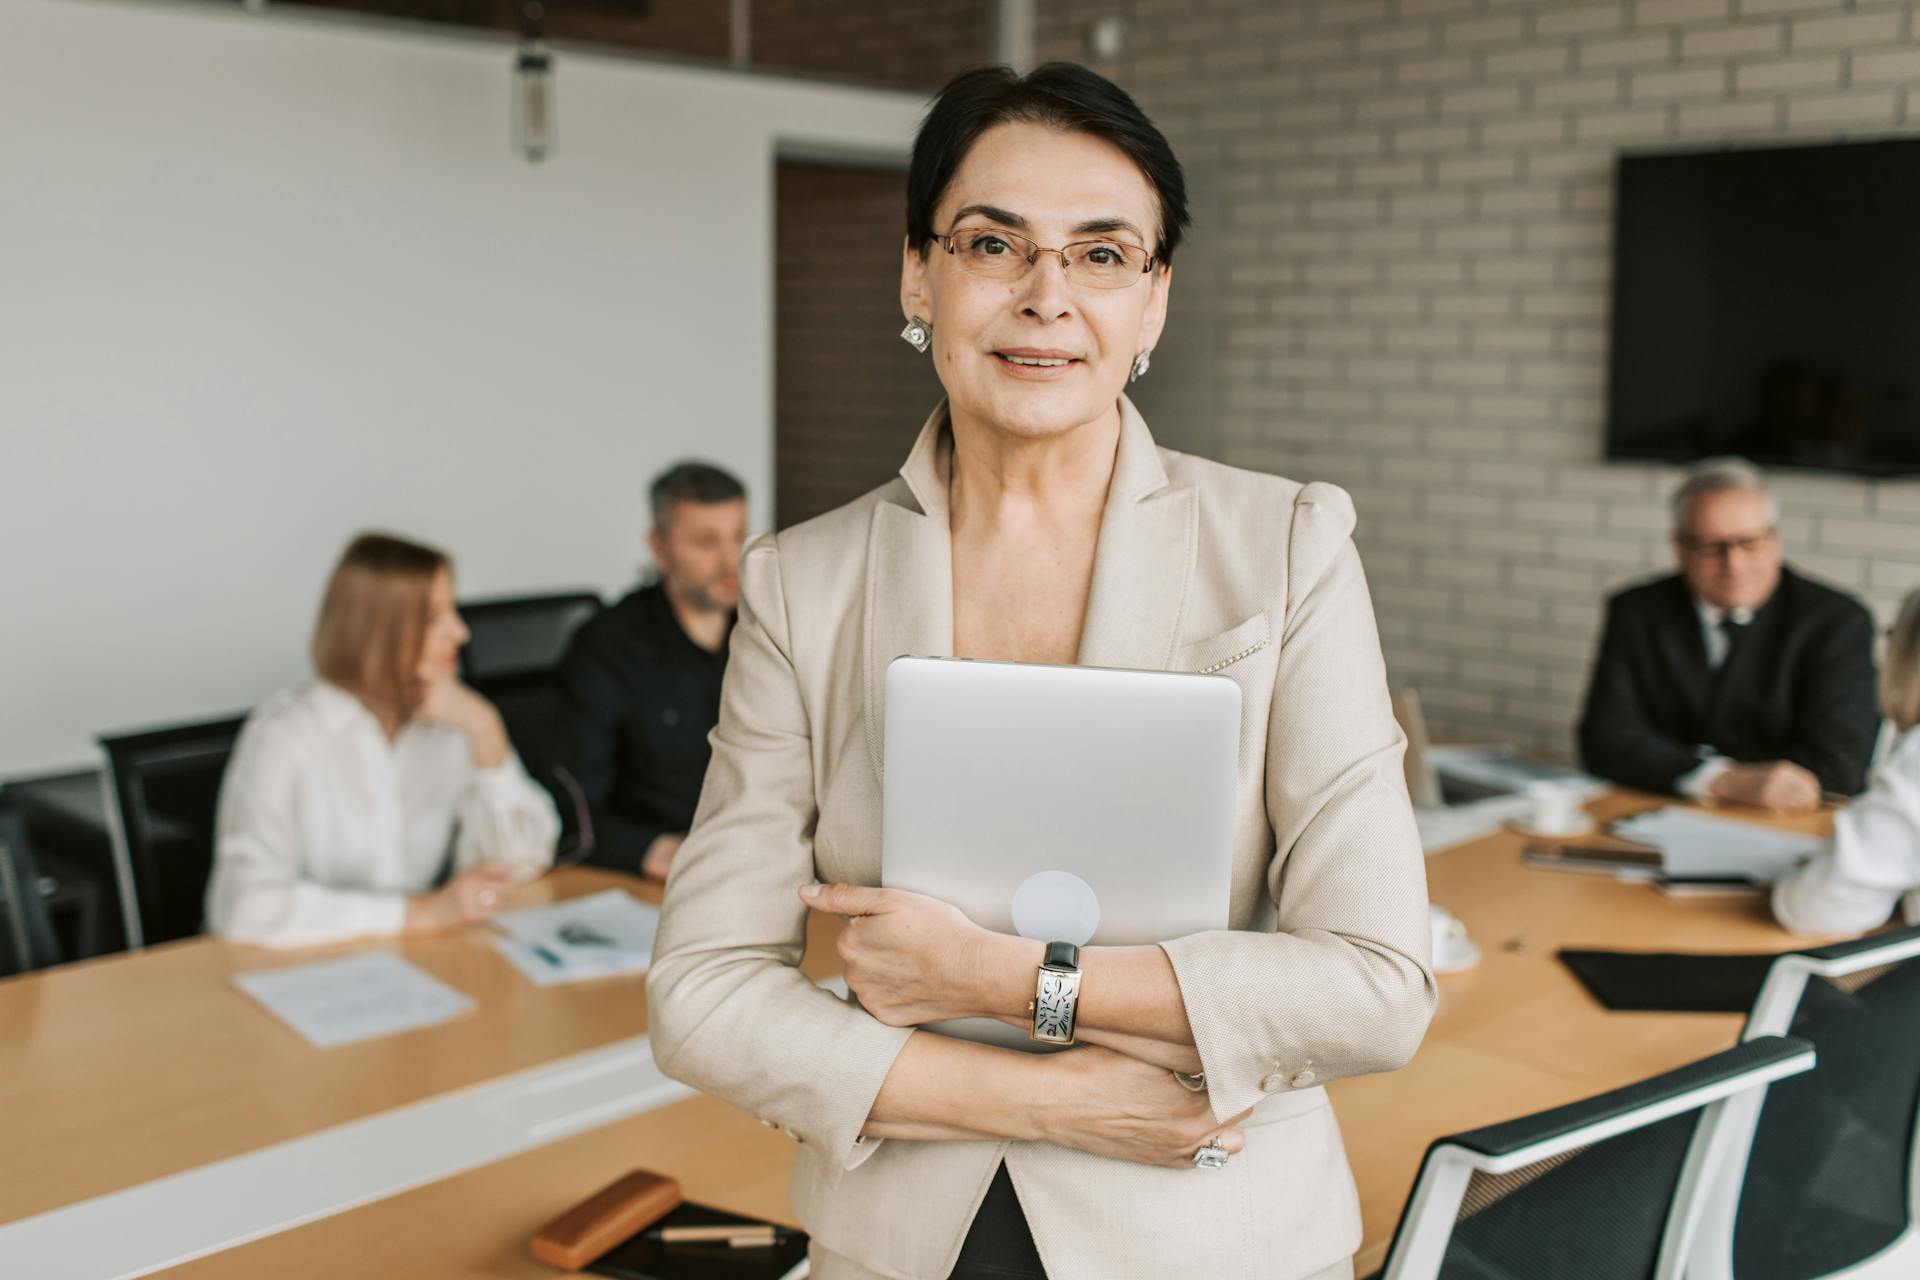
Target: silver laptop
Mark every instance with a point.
(1458, 776)
(1461, 793)
(1070, 804)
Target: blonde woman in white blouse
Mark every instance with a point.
(1874, 862)
(345, 794)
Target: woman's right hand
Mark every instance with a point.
(1108, 1104)
(469, 897)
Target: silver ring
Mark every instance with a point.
(1211, 1156)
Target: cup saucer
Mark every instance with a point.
(1463, 953)
(1584, 827)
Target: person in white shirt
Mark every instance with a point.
(1874, 861)
(345, 794)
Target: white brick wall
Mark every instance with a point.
(1405, 208)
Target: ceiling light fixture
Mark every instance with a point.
(533, 87)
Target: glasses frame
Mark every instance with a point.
(1724, 548)
(947, 243)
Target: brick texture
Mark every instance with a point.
(694, 28)
(922, 44)
(1401, 269)
(917, 45)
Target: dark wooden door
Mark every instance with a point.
(848, 393)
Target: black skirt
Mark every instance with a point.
(998, 1245)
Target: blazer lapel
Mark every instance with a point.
(1684, 628)
(1684, 653)
(909, 600)
(1144, 562)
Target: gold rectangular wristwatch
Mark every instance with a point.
(1056, 994)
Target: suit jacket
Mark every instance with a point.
(1324, 973)
(1798, 685)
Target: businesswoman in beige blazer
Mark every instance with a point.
(1035, 520)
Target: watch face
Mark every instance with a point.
(1053, 1009)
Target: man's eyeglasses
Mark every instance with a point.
(1721, 549)
(993, 254)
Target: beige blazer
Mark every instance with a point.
(1199, 567)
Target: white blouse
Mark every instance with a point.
(1874, 861)
(326, 826)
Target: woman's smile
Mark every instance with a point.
(1036, 364)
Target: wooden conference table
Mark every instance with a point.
(127, 1069)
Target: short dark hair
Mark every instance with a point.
(1063, 95)
(691, 482)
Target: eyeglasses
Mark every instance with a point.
(1722, 549)
(993, 254)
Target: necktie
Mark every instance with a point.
(1730, 631)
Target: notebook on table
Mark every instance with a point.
(645, 1258)
(1705, 846)
(1669, 981)
(1682, 850)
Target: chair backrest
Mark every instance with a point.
(1581, 1192)
(1824, 1172)
(516, 648)
(521, 636)
(26, 935)
(164, 786)
(535, 717)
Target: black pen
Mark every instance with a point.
(545, 953)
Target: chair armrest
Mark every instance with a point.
(1754, 1062)
(1892, 939)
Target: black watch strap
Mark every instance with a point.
(1062, 955)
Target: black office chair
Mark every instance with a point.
(516, 648)
(1824, 1173)
(1596, 1190)
(26, 935)
(163, 786)
(521, 636)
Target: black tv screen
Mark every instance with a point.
(1767, 304)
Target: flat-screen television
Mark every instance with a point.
(1766, 303)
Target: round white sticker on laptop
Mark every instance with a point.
(1056, 906)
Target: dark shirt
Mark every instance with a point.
(1797, 684)
(641, 698)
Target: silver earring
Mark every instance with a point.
(1141, 363)
(918, 334)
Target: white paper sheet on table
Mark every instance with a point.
(336, 1002)
(558, 943)
(1701, 846)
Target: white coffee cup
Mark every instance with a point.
(1452, 950)
(1558, 810)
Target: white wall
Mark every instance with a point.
(266, 280)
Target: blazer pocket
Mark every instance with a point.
(1217, 653)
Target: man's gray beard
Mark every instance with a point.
(699, 599)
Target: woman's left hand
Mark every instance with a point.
(909, 959)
